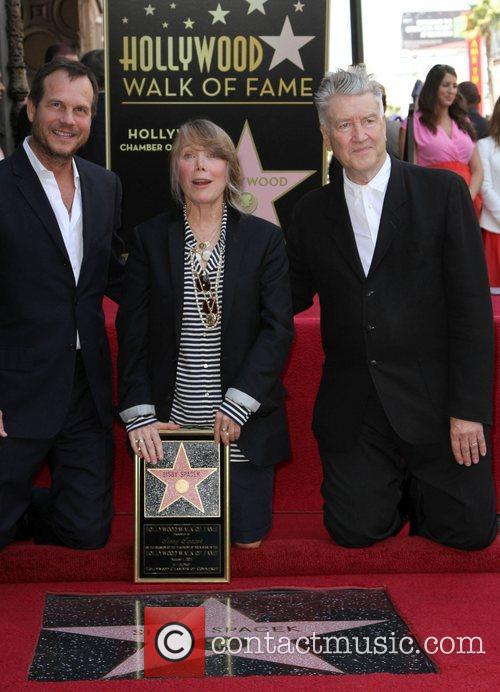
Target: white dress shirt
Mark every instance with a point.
(489, 153)
(70, 224)
(364, 203)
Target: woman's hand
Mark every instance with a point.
(146, 441)
(225, 429)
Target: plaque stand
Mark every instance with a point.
(182, 531)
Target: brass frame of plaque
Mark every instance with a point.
(167, 510)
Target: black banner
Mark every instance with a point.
(251, 66)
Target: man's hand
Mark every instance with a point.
(2, 429)
(467, 441)
(146, 441)
(225, 429)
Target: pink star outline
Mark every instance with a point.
(184, 474)
(266, 187)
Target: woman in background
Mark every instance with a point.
(489, 151)
(443, 135)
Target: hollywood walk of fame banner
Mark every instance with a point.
(251, 66)
(264, 632)
(182, 511)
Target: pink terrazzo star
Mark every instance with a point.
(181, 481)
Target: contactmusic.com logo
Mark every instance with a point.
(174, 642)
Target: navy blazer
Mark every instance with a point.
(418, 327)
(257, 326)
(41, 306)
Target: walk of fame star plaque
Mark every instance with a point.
(266, 632)
(182, 510)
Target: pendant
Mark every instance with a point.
(204, 245)
(211, 320)
(205, 255)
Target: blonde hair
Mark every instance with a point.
(209, 136)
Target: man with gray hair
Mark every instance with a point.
(394, 252)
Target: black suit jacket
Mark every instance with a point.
(41, 307)
(419, 326)
(257, 326)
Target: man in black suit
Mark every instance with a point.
(402, 414)
(58, 217)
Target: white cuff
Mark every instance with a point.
(134, 411)
(243, 399)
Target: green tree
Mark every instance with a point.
(483, 19)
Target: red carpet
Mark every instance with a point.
(438, 591)
(434, 605)
(297, 545)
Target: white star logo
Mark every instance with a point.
(286, 45)
(219, 15)
(217, 614)
(124, 20)
(188, 23)
(149, 9)
(173, 5)
(256, 5)
(299, 6)
(165, 25)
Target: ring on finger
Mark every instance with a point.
(473, 444)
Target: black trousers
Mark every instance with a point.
(251, 498)
(370, 490)
(77, 510)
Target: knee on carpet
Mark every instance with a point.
(352, 538)
(85, 538)
(359, 529)
(473, 538)
(475, 531)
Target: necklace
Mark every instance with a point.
(206, 294)
(204, 247)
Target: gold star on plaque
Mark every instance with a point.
(219, 15)
(181, 481)
(149, 9)
(188, 23)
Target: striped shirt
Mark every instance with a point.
(198, 387)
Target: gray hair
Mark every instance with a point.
(206, 134)
(352, 82)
